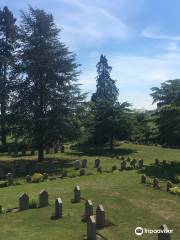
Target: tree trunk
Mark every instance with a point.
(3, 109)
(40, 153)
(111, 143)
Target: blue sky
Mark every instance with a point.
(141, 39)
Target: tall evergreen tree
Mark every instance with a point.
(110, 116)
(47, 93)
(106, 88)
(8, 37)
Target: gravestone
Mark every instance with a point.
(43, 198)
(88, 209)
(141, 163)
(58, 208)
(97, 163)
(77, 194)
(82, 172)
(156, 183)
(99, 169)
(156, 161)
(28, 178)
(143, 178)
(100, 217)
(45, 176)
(164, 162)
(84, 163)
(91, 228)
(164, 236)
(9, 178)
(168, 186)
(123, 165)
(77, 165)
(133, 163)
(23, 202)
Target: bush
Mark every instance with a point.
(176, 179)
(175, 190)
(3, 184)
(37, 177)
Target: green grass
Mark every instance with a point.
(127, 203)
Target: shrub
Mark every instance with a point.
(37, 177)
(176, 179)
(175, 190)
(3, 184)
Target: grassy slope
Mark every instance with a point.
(128, 204)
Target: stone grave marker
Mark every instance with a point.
(88, 209)
(97, 163)
(100, 217)
(84, 163)
(43, 198)
(77, 194)
(58, 208)
(23, 202)
(164, 236)
(91, 228)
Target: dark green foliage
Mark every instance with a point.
(47, 96)
(167, 98)
(8, 37)
(109, 118)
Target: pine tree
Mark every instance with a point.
(109, 115)
(47, 93)
(8, 37)
(106, 88)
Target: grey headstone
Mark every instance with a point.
(97, 163)
(164, 236)
(82, 172)
(141, 163)
(84, 163)
(77, 165)
(156, 183)
(9, 178)
(43, 198)
(157, 161)
(91, 228)
(123, 165)
(77, 194)
(88, 209)
(100, 217)
(143, 178)
(168, 186)
(45, 176)
(28, 178)
(23, 202)
(58, 208)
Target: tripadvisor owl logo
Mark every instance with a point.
(139, 231)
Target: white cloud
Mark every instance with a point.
(150, 33)
(87, 22)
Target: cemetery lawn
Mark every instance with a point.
(127, 203)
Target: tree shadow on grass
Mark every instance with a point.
(101, 151)
(161, 171)
(23, 167)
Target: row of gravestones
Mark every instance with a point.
(123, 166)
(92, 222)
(133, 163)
(33, 152)
(164, 163)
(156, 184)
